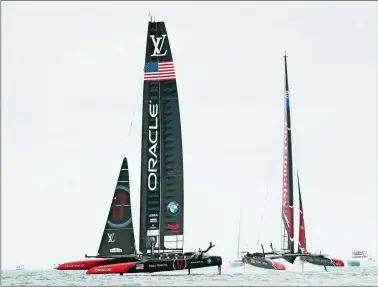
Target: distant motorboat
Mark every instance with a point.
(238, 262)
(360, 258)
(20, 267)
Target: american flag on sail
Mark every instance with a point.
(159, 71)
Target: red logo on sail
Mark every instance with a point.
(173, 228)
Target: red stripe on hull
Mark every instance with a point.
(81, 265)
(112, 268)
(338, 262)
(278, 266)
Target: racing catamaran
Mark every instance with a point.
(266, 260)
(161, 238)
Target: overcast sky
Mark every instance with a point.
(72, 74)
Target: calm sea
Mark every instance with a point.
(203, 277)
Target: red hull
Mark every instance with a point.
(278, 266)
(81, 265)
(338, 262)
(112, 268)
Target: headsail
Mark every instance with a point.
(162, 191)
(118, 236)
(302, 247)
(287, 194)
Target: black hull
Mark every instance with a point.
(263, 262)
(321, 260)
(157, 265)
(109, 261)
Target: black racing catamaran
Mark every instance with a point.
(266, 260)
(161, 239)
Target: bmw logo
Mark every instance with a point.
(173, 208)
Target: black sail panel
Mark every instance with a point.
(118, 237)
(162, 197)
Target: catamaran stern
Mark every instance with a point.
(323, 261)
(337, 262)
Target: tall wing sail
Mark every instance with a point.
(287, 194)
(302, 247)
(118, 237)
(162, 191)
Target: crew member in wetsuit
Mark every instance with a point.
(197, 254)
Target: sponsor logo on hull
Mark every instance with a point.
(102, 270)
(179, 264)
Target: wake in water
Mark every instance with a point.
(231, 276)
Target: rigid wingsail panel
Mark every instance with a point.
(118, 237)
(287, 193)
(162, 205)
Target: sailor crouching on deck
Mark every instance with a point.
(164, 257)
(197, 255)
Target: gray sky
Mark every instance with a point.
(71, 76)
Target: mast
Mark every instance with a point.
(238, 251)
(287, 196)
(162, 192)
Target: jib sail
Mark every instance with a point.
(162, 190)
(302, 247)
(118, 237)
